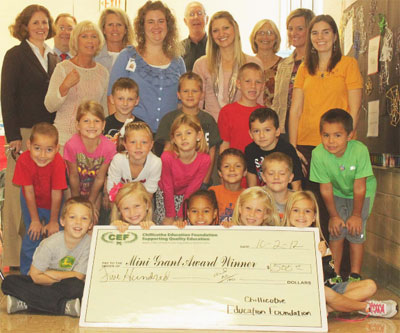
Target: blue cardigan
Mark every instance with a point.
(157, 86)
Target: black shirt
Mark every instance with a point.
(193, 51)
(255, 156)
(113, 126)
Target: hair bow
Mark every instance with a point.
(114, 191)
(122, 130)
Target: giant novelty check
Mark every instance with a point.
(242, 278)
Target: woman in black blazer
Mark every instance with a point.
(25, 78)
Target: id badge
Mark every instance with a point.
(131, 65)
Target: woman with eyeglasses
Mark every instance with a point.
(265, 41)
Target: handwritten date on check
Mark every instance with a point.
(249, 278)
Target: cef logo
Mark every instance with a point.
(118, 238)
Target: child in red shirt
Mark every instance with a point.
(233, 120)
(40, 171)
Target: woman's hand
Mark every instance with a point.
(15, 145)
(14, 148)
(70, 80)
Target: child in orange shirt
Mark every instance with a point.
(231, 166)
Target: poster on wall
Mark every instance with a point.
(373, 55)
(373, 119)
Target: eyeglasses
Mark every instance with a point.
(68, 29)
(265, 33)
(199, 13)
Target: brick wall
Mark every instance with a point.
(382, 247)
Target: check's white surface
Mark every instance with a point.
(261, 278)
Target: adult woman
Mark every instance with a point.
(117, 32)
(219, 67)
(265, 41)
(24, 81)
(324, 81)
(155, 63)
(78, 79)
(296, 23)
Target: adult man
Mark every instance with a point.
(64, 24)
(195, 45)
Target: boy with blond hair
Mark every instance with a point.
(56, 277)
(278, 174)
(40, 171)
(233, 118)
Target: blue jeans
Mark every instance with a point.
(28, 245)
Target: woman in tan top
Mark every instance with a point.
(77, 80)
(265, 41)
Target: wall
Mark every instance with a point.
(382, 248)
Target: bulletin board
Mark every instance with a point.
(370, 19)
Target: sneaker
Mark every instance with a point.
(336, 279)
(384, 309)
(14, 304)
(354, 277)
(73, 308)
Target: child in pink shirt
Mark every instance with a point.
(183, 169)
(88, 154)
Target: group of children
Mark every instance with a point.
(143, 189)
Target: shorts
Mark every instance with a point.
(340, 287)
(344, 207)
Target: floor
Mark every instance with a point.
(25, 322)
